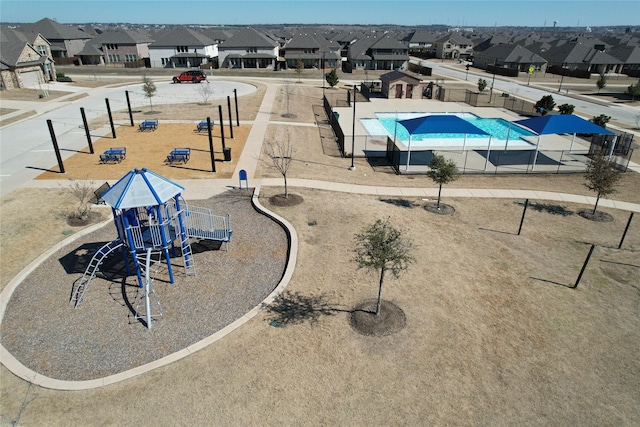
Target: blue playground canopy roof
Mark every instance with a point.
(141, 188)
(440, 124)
(562, 123)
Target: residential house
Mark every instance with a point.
(65, 41)
(453, 46)
(181, 47)
(421, 42)
(510, 56)
(25, 60)
(387, 53)
(629, 55)
(314, 51)
(578, 56)
(248, 48)
(118, 47)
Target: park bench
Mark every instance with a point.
(202, 126)
(148, 125)
(179, 155)
(113, 154)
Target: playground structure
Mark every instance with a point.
(150, 216)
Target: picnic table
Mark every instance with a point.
(113, 154)
(148, 125)
(203, 126)
(179, 155)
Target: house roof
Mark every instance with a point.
(12, 44)
(512, 54)
(454, 38)
(388, 42)
(423, 37)
(123, 36)
(51, 30)
(577, 53)
(626, 54)
(303, 41)
(249, 37)
(181, 36)
(397, 75)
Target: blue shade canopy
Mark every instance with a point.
(141, 188)
(562, 123)
(440, 124)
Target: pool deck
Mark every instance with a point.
(472, 160)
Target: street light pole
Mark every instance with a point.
(353, 130)
(493, 80)
(323, 51)
(561, 79)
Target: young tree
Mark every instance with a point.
(601, 176)
(634, 91)
(601, 120)
(280, 151)
(442, 172)
(287, 97)
(602, 82)
(545, 104)
(482, 85)
(332, 77)
(381, 247)
(149, 89)
(566, 108)
(299, 68)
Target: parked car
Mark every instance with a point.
(194, 76)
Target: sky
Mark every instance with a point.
(468, 13)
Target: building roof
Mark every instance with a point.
(578, 53)
(181, 36)
(12, 44)
(512, 54)
(51, 30)
(303, 41)
(397, 75)
(122, 36)
(249, 37)
(387, 42)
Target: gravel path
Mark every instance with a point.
(102, 337)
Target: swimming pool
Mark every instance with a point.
(502, 131)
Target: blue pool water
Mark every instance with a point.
(501, 131)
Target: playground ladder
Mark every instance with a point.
(146, 309)
(92, 269)
(187, 254)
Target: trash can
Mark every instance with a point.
(227, 154)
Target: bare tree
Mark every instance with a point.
(205, 91)
(82, 191)
(280, 151)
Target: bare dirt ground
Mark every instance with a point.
(494, 334)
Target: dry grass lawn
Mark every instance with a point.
(494, 334)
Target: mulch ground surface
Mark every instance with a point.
(102, 336)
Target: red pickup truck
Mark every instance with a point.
(194, 76)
